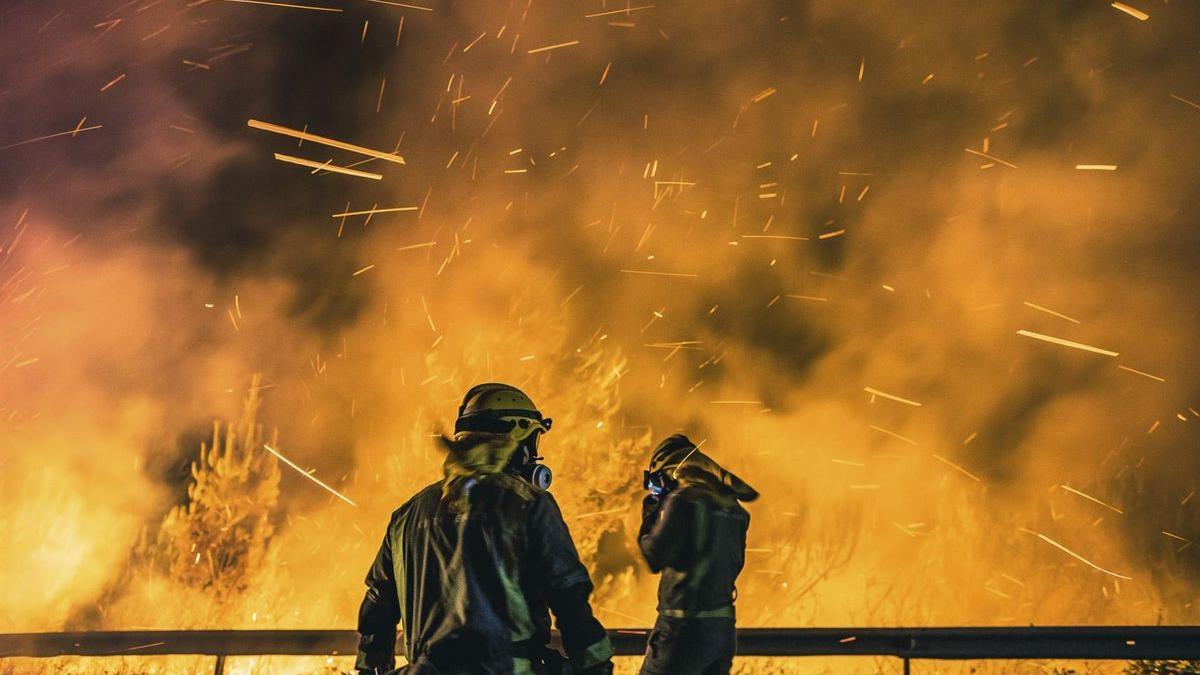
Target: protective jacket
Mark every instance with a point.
(695, 536)
(472, 566)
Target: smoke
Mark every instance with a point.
(736, 220)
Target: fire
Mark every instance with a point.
(874, 293)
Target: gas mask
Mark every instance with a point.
(526, 463)
(657, 483)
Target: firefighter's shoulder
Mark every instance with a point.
(690, 493)
(427, 496)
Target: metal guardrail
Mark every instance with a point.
(1043, 642)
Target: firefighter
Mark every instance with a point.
(473, 565)
(693, 532)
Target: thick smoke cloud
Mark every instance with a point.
(756, 210)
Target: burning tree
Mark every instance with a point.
(215, 540)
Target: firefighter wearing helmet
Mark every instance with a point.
(473, 565)
(693, 532)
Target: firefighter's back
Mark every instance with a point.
(702, 580)
(459, 566)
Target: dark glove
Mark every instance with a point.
(650, 505)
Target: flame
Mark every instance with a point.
(772, 228)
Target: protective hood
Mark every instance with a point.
(473, 456)
(679, 458)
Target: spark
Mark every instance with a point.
(322, 140)
(831, 235)
(308, 475)
(686, 457)
(1080, 558)
(961, 470)
(762, 95)
(547, 48)
(1175, 536)
(371, 212)
(1096, 167)
(72, 133)
(571, 295)
(425, 244)
(785, 237)
(1184, 100)
(474, 42)
(113, 81)
(332, 168)
(893, 434)
(1135, 13)
(876, 392)
(610, 12)
(367, 268)
(401, 4)
(1049, 311)
(662, 274)
(593, 514)
(813, 298)
(994, 159)
(1090, 498)
(428, 316)
(1065, 343)
(286, 5)
(1143, 374)
(145, 646)
(640, 619)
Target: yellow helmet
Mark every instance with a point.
(500, 408)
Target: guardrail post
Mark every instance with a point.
(906, 667)
(219, 666)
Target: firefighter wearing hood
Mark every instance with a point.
(693, 532)
(473, 565)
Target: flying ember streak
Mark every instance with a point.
(1080, 558)
(1066, 343)
(333, 143)
(308, 475)
(326, 166)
